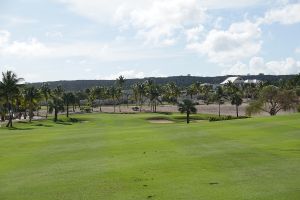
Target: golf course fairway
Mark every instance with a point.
(125, 157)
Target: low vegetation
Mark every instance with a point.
(19, 101)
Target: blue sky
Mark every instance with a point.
(98, 39)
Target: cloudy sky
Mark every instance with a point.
(101, 39)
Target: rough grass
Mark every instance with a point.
(104, 156)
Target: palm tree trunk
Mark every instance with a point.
(10, 116)
(219, 110)
(237, 111)
(55, 115)
(114, 105)
(187, 117)
(47, 107)
(68, 110)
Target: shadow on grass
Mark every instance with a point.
(19, 129)
(42, 125)
(64, 123)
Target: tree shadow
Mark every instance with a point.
(64, 123)
(42, 125)
(19, 129)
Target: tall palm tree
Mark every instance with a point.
(219, 97)
(32, 97)
(100, 95)
(141, 93)
(120, 87)
(153, 92)
(46, 91)
(10, 88)
(188, 107)
(235, 95)
(69, 99)
(172, 92)
(56, 104)
(113, 94)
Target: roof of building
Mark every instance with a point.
(233, 79)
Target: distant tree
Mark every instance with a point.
(171, 92)
(188, 107)
(141, 93)
(120, 87)
(92, 96)
(9, 87)
(79, 95)
(113, 93)
(57, 103)
(100, 95)
(206, 91)
(235, 95)
(219, 97)
(32, 97)
(46, 91)
(153, 93)
(273, 99)
(69, 99)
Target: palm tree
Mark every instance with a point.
(56, 104)
(113, 94)
(188, 107)
(153, 92)
(91, 98)
(172, 92)
(219, 97)
(120, 86)
(46, 91)
(235, 96)
(69, 99)
(236, 99)
(141, 91)
(9, 86)
(32, 96)
(100, 95)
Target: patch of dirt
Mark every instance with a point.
(160, 121)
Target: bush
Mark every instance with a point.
(298, 108)
(86, 109)
(222, 118)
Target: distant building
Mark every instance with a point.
(235, 80)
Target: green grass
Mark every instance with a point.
(125, 157)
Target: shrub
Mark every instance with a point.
(86, 109)
(222, 118)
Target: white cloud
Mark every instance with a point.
(160, 23)
(54, 34)
(258, 65)
(289, 14)
(115, 51)
(297, 50)
(240, 41)
(193, 34)
(4, 37)
(29, 48)
(32, 47)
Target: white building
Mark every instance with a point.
(235, 80)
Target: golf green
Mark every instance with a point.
(124, 156)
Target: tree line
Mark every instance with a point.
(19, 100)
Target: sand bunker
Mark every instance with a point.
(160, 121)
